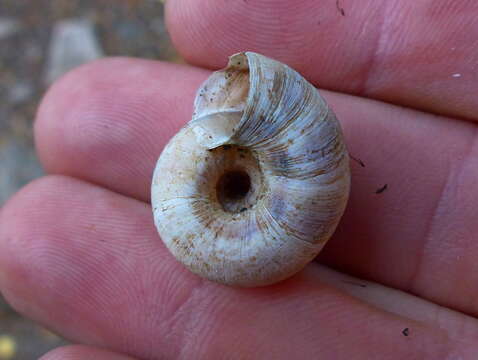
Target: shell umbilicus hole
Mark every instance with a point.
(235, 178)
(232, 189)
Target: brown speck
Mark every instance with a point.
(339, 8)
(382, 189)
(406, 332)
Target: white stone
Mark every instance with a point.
(20, 92)
(19, 166)
(8, 26)
(73, 43)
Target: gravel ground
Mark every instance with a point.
(39, 41)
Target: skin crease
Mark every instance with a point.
(79, 247)
(76, 352)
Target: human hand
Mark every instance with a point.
(79, 252)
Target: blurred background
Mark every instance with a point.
(40, 40)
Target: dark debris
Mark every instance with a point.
(382, 189)
(340, 8)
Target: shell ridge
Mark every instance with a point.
(253, 97)
(286, 230)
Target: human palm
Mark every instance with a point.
(80, 254)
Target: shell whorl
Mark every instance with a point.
(249, 191)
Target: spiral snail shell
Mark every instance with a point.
(250, 190)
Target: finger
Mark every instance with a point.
(80, 352)
(424, 220)
(113, 118)
(414, 53)
(88, 264)
(401, 237)
(400, 303)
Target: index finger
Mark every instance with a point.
(419, 54)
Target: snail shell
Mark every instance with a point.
(250, 190)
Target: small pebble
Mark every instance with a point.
(20, 92)
(8, 27)
(73, 43)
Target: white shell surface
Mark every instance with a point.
(261, 118)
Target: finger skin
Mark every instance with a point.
(85, 262)
(80, 352)
(415, 53)
(101, 125)
(104, 117)
(425, 219)
(397, 302)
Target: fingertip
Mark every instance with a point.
(62, 98)
(21, 233)
(66, 106)
(185, 22)
(113, 113)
